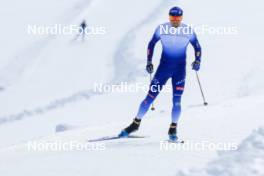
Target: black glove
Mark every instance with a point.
(149, 67)
(196, 65)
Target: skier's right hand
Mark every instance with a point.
(196, 65)
(149, 67)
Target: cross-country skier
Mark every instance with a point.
(82, 29)
(172, 65)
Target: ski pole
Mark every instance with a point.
(152, 104)
(200, 86)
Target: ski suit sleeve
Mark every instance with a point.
(197, 48)
(151, 45)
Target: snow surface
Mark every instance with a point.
(248, 159)
(46, 90)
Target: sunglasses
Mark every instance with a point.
(175, 18)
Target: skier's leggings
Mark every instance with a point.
(164, 72)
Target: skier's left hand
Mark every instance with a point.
(150, 67)
(196, 65)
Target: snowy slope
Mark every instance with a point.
(47, 81)
(247, 160)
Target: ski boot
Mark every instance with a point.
(131, 128)
(173, 132)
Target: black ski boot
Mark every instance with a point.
(131, 128)
(173, 132)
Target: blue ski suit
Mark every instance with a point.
(172, 64)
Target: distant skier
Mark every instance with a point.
(172, 65)
(83, 26)
(82, 33)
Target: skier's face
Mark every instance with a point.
(175, 20)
